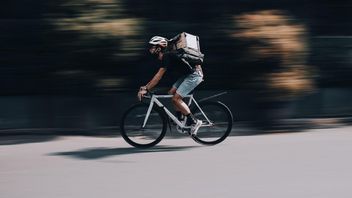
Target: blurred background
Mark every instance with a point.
(76, 65)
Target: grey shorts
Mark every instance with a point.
(187, 83)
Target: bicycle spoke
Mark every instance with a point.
(216, 125)
(134, 133)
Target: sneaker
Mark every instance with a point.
(195, 127)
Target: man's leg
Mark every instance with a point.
(184, 109)
(191, 121)
(183, 87)
(180, 105)
(172, 91)
(189, 83)
(178, 112)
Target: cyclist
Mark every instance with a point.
(188, 80)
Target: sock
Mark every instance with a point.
(190, 119)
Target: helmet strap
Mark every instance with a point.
(158, 50)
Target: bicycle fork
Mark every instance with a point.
(151, 104)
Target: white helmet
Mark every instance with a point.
(158, 40)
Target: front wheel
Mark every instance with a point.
(137, 135)
(217, 122)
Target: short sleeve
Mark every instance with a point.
(166, 61)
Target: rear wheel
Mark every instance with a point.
(135, 134)
(217, 122)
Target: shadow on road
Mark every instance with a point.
(25, 139)
(97, 153)
(26, 136)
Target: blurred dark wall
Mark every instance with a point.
(73, 114)
(277, 51)
(72, 46)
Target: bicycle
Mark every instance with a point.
(144, 125)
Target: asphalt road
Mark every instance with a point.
(310, 164)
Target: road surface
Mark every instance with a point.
(310, 164)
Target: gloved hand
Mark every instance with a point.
(142, 91)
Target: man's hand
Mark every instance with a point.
(142, 91)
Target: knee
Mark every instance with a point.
(176, 98)
(172, 91)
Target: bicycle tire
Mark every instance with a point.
(131, 126)
(220, 115)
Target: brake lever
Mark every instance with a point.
(148, 95)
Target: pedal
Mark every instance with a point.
(181, 130)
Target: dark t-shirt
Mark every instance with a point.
(174, 65)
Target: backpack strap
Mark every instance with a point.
(187, 63)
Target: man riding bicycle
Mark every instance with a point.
(188, 79)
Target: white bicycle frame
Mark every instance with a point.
(155, 100)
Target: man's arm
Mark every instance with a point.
(155, 80)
